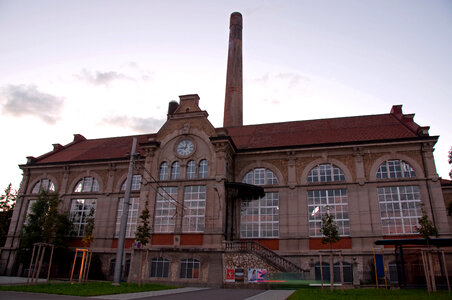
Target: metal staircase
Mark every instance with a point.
(271, 257)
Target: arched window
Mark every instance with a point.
(86, 185)
(347, 270)
(175, 170)
(260, 176)
(159, 267)
(191, 170)
(395, 168)
(45, 185)
(189, 268)
(136, 183)
(163, 174)
(326, 173)
(203, 170)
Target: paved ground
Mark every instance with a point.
(176, 294)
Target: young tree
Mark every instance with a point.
(143, 236)
(89, 228)
(426, 227)
(330, 235)
(45, 224)
(7, 203)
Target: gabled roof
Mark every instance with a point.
(321, 132)
(394, 126)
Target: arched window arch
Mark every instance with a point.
(136, 183)
(203, 170)
(395, 168)
(159, 267)
(45, 185)
(191, 170)
(326, 173)
(163, 174)
(260, 176)
(175, 170)
(86, 185)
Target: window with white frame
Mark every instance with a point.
(80, 209)
(45, 185)
(260, 176)
(189, 268)
(86, 185)
(395, 168)
(159, 267)
(260, 218)
(191, 170)
(203, 171)
(136, 183)
(175, 170)
(132, 218)
(165, 209)
(163, 174)
(400, 209)
(334, 202)
(194, 208)
(326, 173)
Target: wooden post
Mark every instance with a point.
(341, 271)
(321, 272)
(50, 265)
(81, 268)
(31, 263)
(73, 265)
(426, 271)
(445, 271)
(43, 250)
(432, 271)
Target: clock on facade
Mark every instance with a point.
(185, 147)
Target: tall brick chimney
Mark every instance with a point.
(233, 102)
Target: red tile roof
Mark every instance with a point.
(324, 131)
(373, 128)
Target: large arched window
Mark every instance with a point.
(260, 176)
(332, 201)
(326, 173)
(191, 170)
(395, 168)
(260, 218)
(175, 170)
(203, 170)
(163, 174)
(86, 185)
(136, 183)
(45, 185)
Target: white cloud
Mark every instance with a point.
(27, 100)
(144, 125)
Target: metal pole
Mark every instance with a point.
(125, 213)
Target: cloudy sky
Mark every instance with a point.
(109, 68)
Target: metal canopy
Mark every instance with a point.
(244, 191)
(443, 242)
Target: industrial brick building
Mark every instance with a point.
(202, 185)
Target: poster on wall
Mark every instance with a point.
(257, 275)
(239, 275)
(230, 275)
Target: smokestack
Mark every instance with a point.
(233, 102)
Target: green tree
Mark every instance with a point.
(45, 224)
(426, 227)
(7, 203)
(330, 236)
(143, 233)
(143, 236)
(89, 228)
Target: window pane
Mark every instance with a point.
(80, 209)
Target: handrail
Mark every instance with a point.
(260, 250)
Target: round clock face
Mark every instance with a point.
(185, 147)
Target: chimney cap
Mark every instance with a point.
(236, 19)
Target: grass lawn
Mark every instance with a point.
(86, 289)
(367, 294)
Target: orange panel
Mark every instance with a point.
(343, 243)
(162, 239)
(191, 239)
